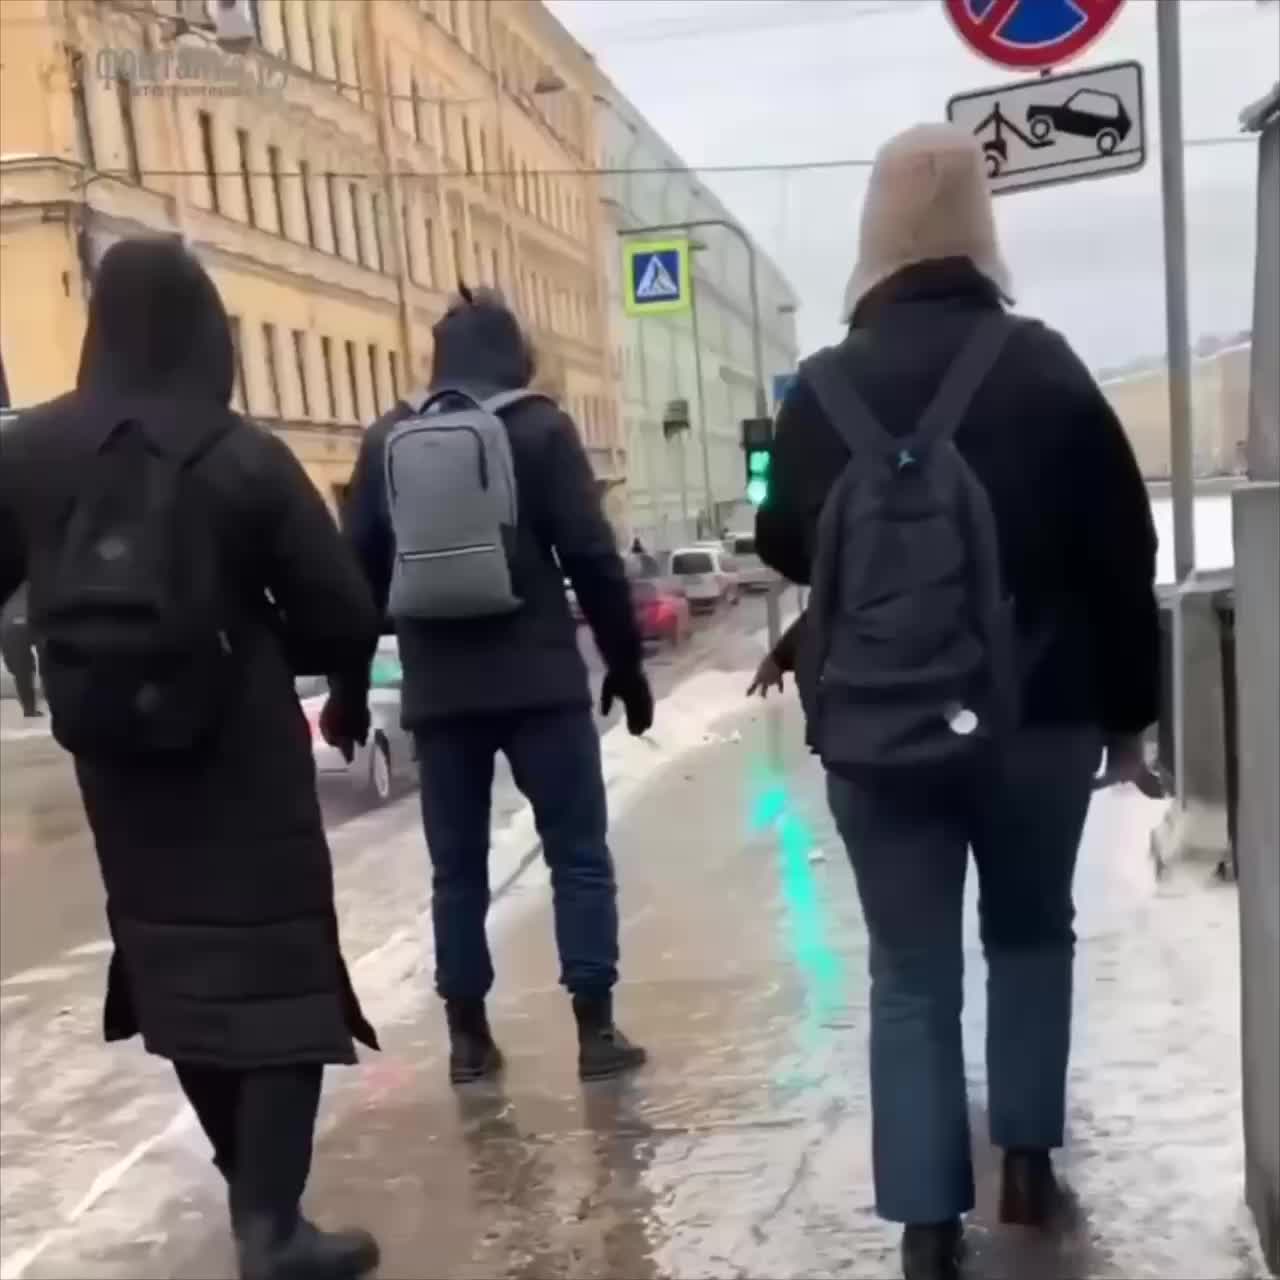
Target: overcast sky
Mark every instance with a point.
(731, 82)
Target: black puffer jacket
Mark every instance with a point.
(217, 872)
(527, 660)
(1076, 535)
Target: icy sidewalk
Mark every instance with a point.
(743, 1149)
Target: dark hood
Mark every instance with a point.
(157, 326)
(480, 346)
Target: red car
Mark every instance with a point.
(662, 614)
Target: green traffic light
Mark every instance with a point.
(757, 491)
(758, 462)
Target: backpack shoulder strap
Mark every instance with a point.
(846, 410)
(963, 378)
(504, 400)
(421, 401)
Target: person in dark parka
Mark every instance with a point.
(217, 870)
(516, 684)
(1078, 553)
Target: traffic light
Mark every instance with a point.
(757, 452)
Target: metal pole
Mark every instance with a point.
(1178, 332)
(708, 498)
(757, 351)
(646, 442)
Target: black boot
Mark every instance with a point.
(603, 1051)
(932, 1250)
(302, 1253)
(472, 1052)
(1029, 1194)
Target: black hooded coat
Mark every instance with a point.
(217, 870)
(528, 660)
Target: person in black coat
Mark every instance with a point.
(1078, 552)
(217, 870)
(516, 684)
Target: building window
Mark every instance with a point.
(496, 265)
(300, 367)
(277, 193)
(240, 392)
(80, 105)
(209, 158)
(124, 96)
(308, 10)
(330, 384)
(466, 146)
(393, 368)
(285, 43)
(246, 176)
(416, 105)
(373, 379)
(379, 259)
(331, 192)
(456, 240)
(357, 225)
(353, 380)
(275, 404)
(304, 177)
(431, 253)
(336, 51)
(410, 264)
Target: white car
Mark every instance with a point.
(753, 573)
(706, 575)
(387, 757)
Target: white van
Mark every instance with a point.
(706, 576)
(753, 573)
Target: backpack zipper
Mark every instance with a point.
(473, 549)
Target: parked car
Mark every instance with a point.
(706, 576)
(387, 758)
(1088, 113)
(639, 567)
(662, 612)
(752, 572)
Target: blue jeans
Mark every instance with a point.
(555, 760)
(1023, 818)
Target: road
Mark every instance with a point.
(50, 895)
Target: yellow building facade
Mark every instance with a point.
(338, 179)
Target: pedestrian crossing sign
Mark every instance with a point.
(656, 273)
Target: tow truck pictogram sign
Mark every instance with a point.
(1036, 133)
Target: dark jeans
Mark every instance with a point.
(261, 1123)
(1023, 819)
(20, 658)
(555, 760)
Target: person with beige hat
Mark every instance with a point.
(963, 503)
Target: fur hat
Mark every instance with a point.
(928, 198)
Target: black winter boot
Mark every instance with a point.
(932, 1250)
(303, 1253)
(1029, 1193)
(472, 1052)
(603, 1051)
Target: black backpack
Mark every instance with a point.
(910, 634)
(133, 628)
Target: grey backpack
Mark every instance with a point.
(910, 657)
(451, 495)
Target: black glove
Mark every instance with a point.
(632, 690)
(344, 722)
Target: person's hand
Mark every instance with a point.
(768, 676)
(344, 724)
(632, 690)
(1127, 762)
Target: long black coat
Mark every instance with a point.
(1076, 535)
(218, 875)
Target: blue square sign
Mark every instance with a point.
(657, 277)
